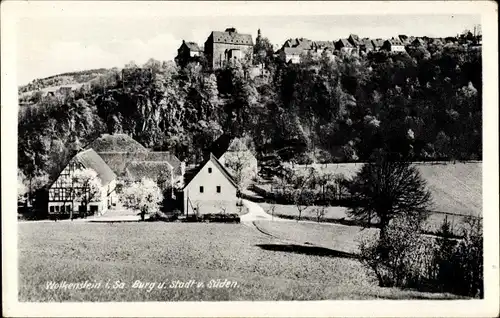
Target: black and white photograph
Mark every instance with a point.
(228, 152)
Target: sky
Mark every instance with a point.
(52, 45)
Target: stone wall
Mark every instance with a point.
(218, 56)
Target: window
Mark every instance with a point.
(209, 170)
(57, 208)
(201, 189)
(68, 208)
(218, 189)
(52, 209)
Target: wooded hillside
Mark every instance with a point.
(424, 104)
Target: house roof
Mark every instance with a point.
(344, 43)
(193, 46)
(367, 43)
(116, 143)
(220, 145)
(418, 41)
(300, 43)
(154, 170)
(193, 173)
(293, 50)
(395, 41)
(436, 41)
(231, 36)
(354, 39)
(118, 161)
(325, 44)
(91, 160)
(165, 156)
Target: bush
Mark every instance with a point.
(408, 259)
(458, 264)
(400, 258)
(221, 218)
(162, 216)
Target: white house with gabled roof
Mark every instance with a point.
(210, 189)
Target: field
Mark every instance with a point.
(455, 187)
(263, 267)
(338, 214)
(456, 190)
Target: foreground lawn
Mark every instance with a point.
(257, 266)
(341, 238)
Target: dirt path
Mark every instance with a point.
(257, 213)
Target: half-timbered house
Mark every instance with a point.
(66, 192)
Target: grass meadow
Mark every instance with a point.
(338, 214)
(264, 267)
(456, 188)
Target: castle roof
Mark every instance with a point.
(231, 36)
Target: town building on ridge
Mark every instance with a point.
(377, 44)
(344, 46)
(354, 40)
(366, 45)
(394, 45)
(188, 52)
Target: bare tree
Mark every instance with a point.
(301, 189)
(320, 212)
(271, 211)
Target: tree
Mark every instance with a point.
(144, 196)
(400, 258)
(388, 188)
(238, 159)
(262, 51)
(21, 187)
(320, 212)
(87, 188)
(301, 188)
(271, 210)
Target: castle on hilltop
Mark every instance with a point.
(219, 48)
